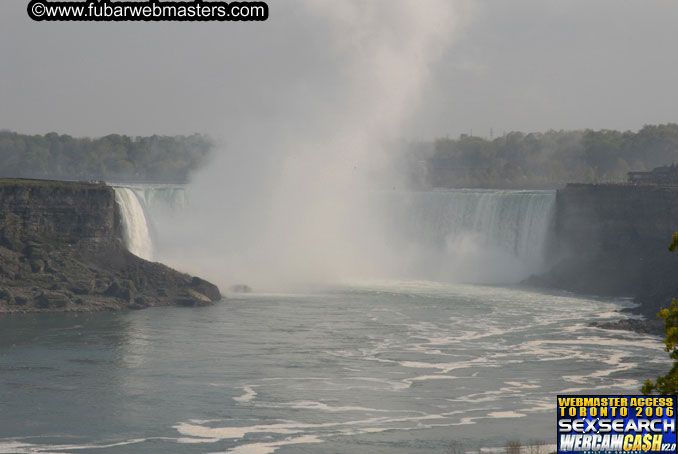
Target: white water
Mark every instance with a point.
(470, 235)
(163, 197)
(477, 236)
(142, 207)
(380, 367)
(135, 227)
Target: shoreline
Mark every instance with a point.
(61, 250)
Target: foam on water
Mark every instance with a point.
(431, 339)
(346, 368)
(250, 393)
(20, 447)
(267, 448)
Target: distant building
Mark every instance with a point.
(665, 175)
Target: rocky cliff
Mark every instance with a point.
(61, 249)
(612, 240)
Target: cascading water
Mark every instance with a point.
(466, 235)
(135, 228)
(140, 205)
(161, 197)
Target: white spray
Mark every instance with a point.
(286, 201)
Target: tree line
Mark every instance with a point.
(515, 160)
(111, 158)
(550, 158)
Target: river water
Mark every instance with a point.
(363, 367)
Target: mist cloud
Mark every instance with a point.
(291, 203)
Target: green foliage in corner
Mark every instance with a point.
(673, 247)
(667, 384)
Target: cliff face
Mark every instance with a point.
(602, 219)
(612, 240)
(61, 249)
(61, 213)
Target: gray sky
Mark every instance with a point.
(526, 65)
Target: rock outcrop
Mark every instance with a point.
(612, 240)
(61, 249)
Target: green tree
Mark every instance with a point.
(158, 158)
(668, 384)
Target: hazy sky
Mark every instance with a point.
(524, 65)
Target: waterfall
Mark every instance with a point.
(143, 206)
(161, 197)
(482, 236)
(464, 235)
(135, 228)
